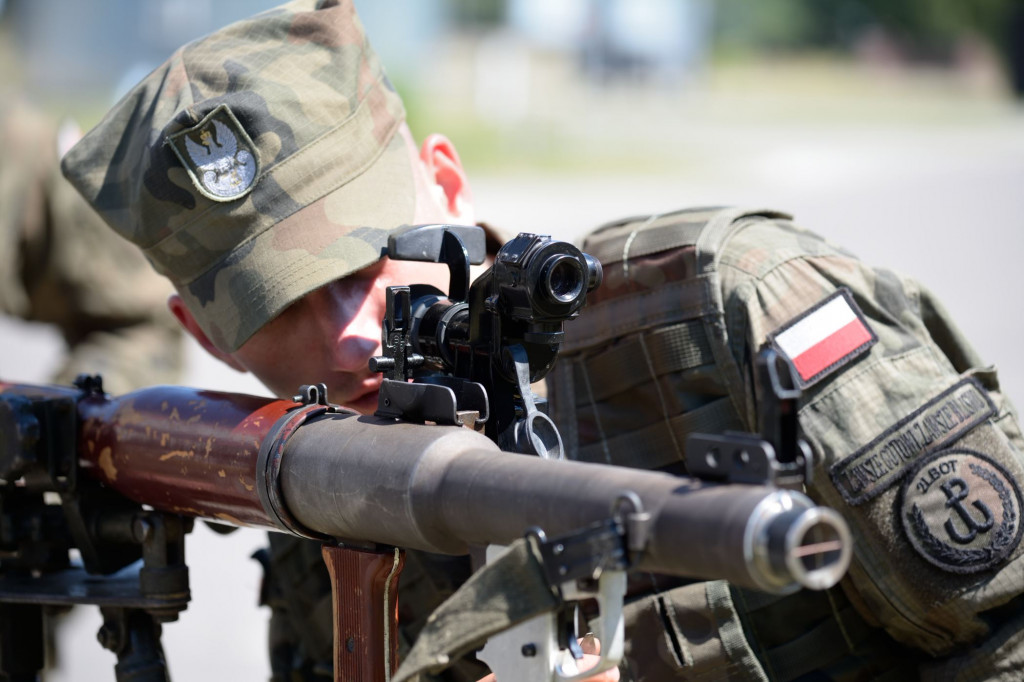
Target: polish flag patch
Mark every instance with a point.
(824, 338)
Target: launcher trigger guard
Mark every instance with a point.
(539, 649)
(611, 631)
(588, 564)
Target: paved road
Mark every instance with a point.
(942, 203)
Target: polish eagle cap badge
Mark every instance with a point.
(219, 156)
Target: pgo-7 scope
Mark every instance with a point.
(534, 286)
(542, 280)
(503, 332)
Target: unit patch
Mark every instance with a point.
(824, 338)
(961, 511)
(218, 155)
(881, 463)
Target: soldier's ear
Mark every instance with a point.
(444, 169)
(185, 318)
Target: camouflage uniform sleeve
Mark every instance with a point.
(916, 446)
(60, 264)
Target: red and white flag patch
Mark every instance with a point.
(824, 338)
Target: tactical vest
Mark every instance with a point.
(914, 444)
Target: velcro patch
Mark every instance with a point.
(218, 154)
(881, 463)
(824, 338)
(961, 511)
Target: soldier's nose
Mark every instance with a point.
(352, 353)
(350, 316)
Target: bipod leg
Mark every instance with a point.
(21, 642)
(134, 635)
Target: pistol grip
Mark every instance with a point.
(364, 587)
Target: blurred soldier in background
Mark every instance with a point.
(60, 264)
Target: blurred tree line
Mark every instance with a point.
(912, 31)
(929, 31)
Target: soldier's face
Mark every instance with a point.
(330, 335)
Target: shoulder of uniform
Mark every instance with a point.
(625, 226)
(764, 243)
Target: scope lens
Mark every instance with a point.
(564, 278)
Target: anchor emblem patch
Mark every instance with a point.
(961, 511)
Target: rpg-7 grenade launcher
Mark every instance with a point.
(120, 479)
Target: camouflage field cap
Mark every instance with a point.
(256, 165)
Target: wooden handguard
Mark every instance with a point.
(364, 585)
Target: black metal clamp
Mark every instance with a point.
(777, 456)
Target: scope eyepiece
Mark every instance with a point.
(543, 280)
(561, 279)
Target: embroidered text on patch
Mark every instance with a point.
(881, 463)
(961, 511)
(218, 154)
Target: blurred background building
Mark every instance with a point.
(894, 127)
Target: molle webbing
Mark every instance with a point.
(648, 340)
(661, 443)
(676, 348)
(608, 320)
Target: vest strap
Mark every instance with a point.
(637, 244)
(674, 302)
(676, 348)
(734, 641)
(819, 647)
(502, 594)
(654, 446)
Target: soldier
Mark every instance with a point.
(261, 170)
(59, 263)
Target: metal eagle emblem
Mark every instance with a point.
(218, 155)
